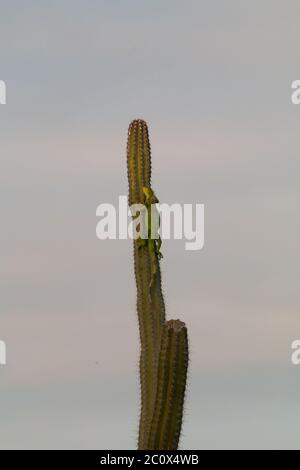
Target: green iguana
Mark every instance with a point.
(154, 243)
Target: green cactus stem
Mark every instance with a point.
(150, 302)
(151, 315)
(172, 371)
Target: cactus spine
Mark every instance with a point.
(164, 349)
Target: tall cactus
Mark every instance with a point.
(164, 348)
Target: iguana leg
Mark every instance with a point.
(158, 246)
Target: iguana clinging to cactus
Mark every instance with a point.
(153, 239)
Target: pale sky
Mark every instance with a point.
(213, 81)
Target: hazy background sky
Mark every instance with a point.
(213, 80)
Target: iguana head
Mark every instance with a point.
(150, 195)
